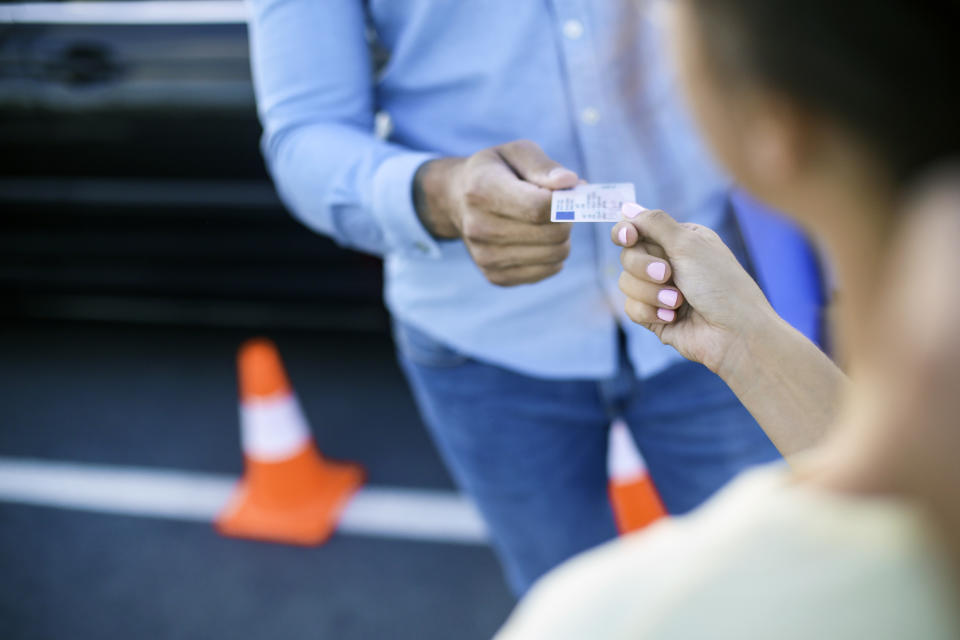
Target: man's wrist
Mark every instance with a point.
(432, 196)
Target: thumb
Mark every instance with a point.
(532, 164)
(625, 234)
(654, 225)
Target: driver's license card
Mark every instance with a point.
(591, 202)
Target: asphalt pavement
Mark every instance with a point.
(165, 398)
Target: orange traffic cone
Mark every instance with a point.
(635, 500)
(289, 493)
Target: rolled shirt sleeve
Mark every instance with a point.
(313, 79)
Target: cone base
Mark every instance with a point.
(309, 520)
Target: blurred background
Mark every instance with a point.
(141, 242)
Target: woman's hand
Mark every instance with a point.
(721, 319)
(685, 285)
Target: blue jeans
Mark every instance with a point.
(532, 453)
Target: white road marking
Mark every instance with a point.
(121, 12)
(389, 512)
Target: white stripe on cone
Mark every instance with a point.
(274, 428)
(624, 462)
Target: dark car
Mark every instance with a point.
(131, 183)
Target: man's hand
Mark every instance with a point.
(498, 202)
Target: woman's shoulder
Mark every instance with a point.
(764, 558)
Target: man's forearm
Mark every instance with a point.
(432, 196)
(787, 383)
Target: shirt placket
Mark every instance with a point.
(597, 121)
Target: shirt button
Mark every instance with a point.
(573, 29)
(590, 115)
(421, 247)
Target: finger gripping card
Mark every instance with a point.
(591, 202)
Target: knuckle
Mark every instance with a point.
(685, 243)
(630, 259)
(631, 287)
(537, 214)
(552, 269)
(712, 236)
(541, 273)
(549, 237)
(703, 231)
(534, 207)
(484, 257)
(499, 278)
(475, 193)
(483, 156)
(468, 226)
(523, 144)
(656, 215)
(475, 229)
(638, 311)
(475, 164)
(523, 213)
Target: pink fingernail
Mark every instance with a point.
(668, 297)
(657, 270)
(623, 236)
(631, 209)
(667, 315)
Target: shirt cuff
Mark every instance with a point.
(393, 207)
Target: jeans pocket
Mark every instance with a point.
(424, 350)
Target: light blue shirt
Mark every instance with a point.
(578, 77)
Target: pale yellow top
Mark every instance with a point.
(763, 559)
